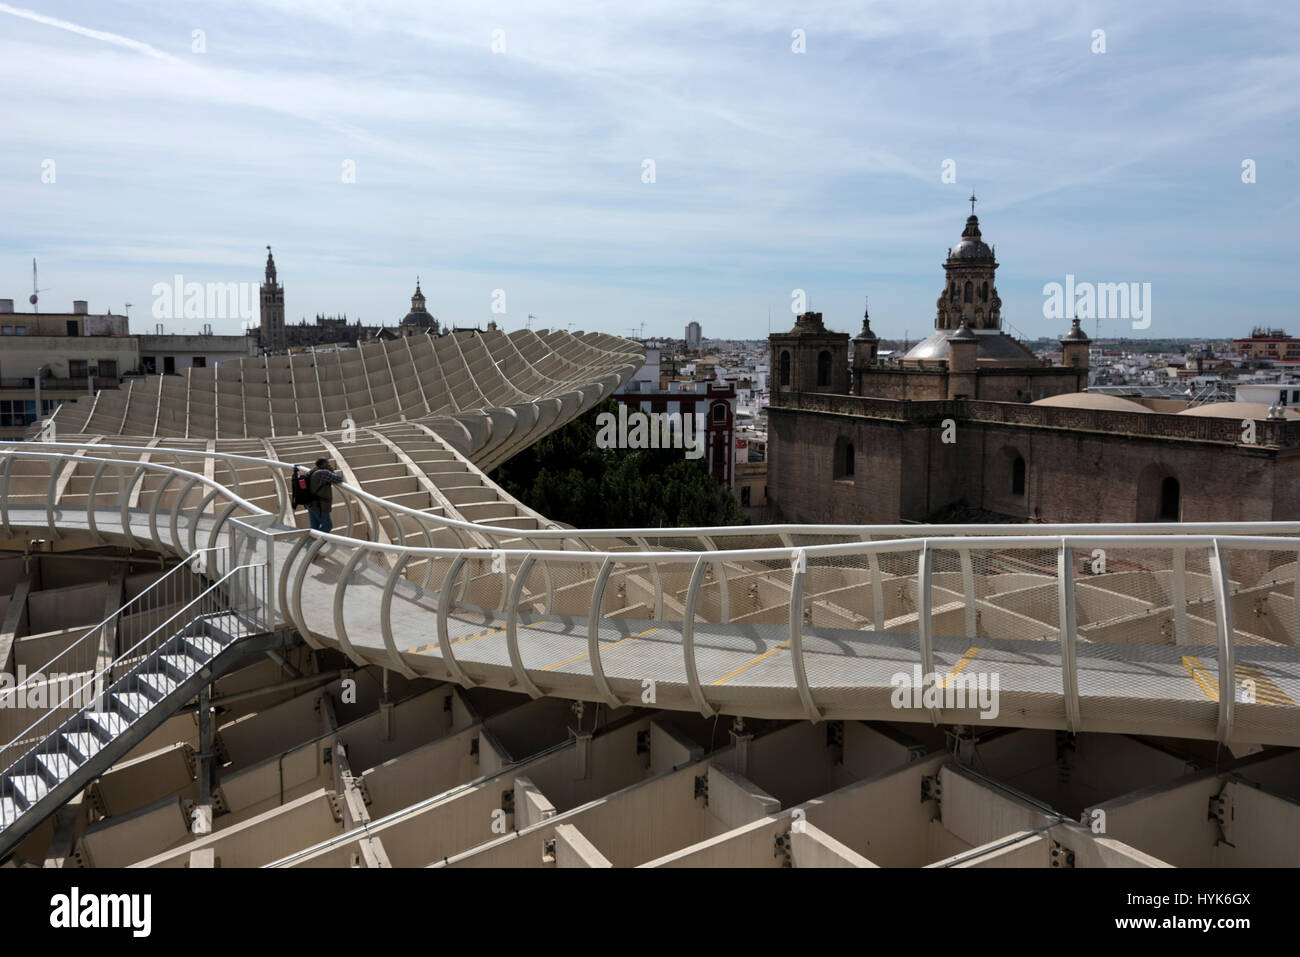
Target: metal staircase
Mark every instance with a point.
(120, 704)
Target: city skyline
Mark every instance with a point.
(521, 168)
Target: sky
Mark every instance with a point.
(502, 152)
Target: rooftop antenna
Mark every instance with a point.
(127, 311)
(35, 292)
(529, 323)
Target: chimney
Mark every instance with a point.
(6, 306)
(79, 307)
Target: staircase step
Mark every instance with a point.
(111, 722)
(84, 744)
(30, 787)
(8, 811)
(206, 647)
(58, 766)
(224, 628)
(132, 704)
(182, 665)
(162, 685)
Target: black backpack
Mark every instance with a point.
(302, 496)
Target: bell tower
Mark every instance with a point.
(809, 358)
(969, 292)
(271, 306)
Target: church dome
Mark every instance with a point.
(1237, 410)
(419, 315)
(972, 246)
(1092, 400)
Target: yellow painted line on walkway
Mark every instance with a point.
(1202, 676)
(960, 666)
(482, 634)
(433, 645)
(749, 664)
(1266, 689)
(603, 649)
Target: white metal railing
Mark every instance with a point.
(1184, 587)
(369, 506)
(1163, 576)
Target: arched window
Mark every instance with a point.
(785, 368)
(1159, 494)
(844, 463)
(719, 413)
(953, 294)
(1018, 476)
(984, 292)
(1170, 496)
(970, 291)
(824, 368)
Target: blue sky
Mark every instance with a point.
(774, 170)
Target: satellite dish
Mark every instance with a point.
(32, 299)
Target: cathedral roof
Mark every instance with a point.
(993, 344)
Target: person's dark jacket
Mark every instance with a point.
(319, 482)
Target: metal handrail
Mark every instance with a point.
(159, 586)
(1061, 547)
(53, 715)
(830, 550)
(1011, 529)
(868, 542)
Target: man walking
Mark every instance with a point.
(319, 482)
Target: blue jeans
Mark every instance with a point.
(320, 519)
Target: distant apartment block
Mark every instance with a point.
(694, 337)
(47, 358)
(1272, 344)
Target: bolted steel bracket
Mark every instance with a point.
(1062, 856)
(1221, 812)
(931, 789)
(781, 848)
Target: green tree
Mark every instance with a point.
(567, 477)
